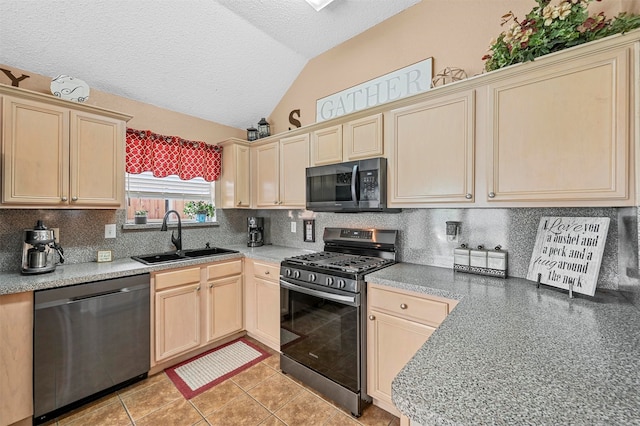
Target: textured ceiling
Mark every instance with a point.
(228, 61)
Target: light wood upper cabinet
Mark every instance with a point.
(233, 187)
(561, 133)
(430, 147)
(279, 178)
(362, 138)
(265, 159)
(58, 154)
(326, 146)
(294, 159)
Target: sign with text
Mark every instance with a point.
(568, 250)
(396, 85)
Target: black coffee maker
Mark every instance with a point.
(255, 231)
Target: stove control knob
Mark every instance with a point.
(287, 272)
(312, 277)
(329, 281)
(296, 274)
(341, 283)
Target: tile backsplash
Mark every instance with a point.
(422, 234)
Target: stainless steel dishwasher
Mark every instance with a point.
(89, 340)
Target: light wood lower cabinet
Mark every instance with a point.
(16, 357)
(262, 302)
(398, 324)
(195, 306)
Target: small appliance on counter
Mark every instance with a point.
(255, 231)
(39, 250)
(480, 261)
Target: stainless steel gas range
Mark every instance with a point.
(322, 324)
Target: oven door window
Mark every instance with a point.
(322, 335)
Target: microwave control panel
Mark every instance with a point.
(369, 186)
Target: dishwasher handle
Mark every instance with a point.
(104, 293)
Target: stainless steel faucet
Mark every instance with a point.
(175, 241)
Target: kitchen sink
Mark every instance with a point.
(174, 256)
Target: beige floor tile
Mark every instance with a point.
(341, 419)
(82, 411)
(252, 376)
(156, 378)
(242, 410)
(150, 398)
(306, 409)
(273, 361)
(375, 416)
(213, 399)
(275, 391)
(112, 414)
(178, 412)
(272, 421)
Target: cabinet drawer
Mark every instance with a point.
(179, 277)
(409, 306)
(224, 269)
(266, 271)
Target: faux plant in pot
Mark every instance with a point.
(140, 217)
(200, 210)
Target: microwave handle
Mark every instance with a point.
(354, 183)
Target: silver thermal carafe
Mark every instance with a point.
(255, 231)
(40, 252)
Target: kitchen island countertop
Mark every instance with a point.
(510, 353)
(69, 274)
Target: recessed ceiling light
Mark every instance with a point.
(318, 4)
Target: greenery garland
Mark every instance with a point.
(549, 28)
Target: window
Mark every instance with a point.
(159, 195)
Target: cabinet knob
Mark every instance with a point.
(64, 198)
(210, 285)
(280, 202)
(468, 196)
(198, 289)
(74, 198)
(372, 317)
(492, 195)
(239, 203)
(275, 202)
(266, 272)
(403, 306)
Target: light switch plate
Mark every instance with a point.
(110, 230)
(293, 227)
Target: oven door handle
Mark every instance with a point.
(311, 292)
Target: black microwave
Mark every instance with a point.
(354, 186)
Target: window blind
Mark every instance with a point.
(145, 185)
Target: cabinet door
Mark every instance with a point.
(266, 185)
(97, 160)
(233, 187)
(16, 357)
(267, 312)
(294, 159)
(363, 138)
(224, 307)
(177, 322)
(326, 146)
(561, 133)
(431, 151)
(391, 342)
(35, 153)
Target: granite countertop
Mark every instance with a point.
(510, 353)
(69, 274)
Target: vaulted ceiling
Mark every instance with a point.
(227, 61)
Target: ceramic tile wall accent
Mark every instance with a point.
(82, 234)
(422, 233)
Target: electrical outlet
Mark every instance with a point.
(293, 227)
(110, 230)
(56, 233)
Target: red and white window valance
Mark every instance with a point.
(171, 155)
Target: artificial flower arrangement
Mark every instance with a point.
(551, 27)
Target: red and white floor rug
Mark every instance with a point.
(202, 372)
